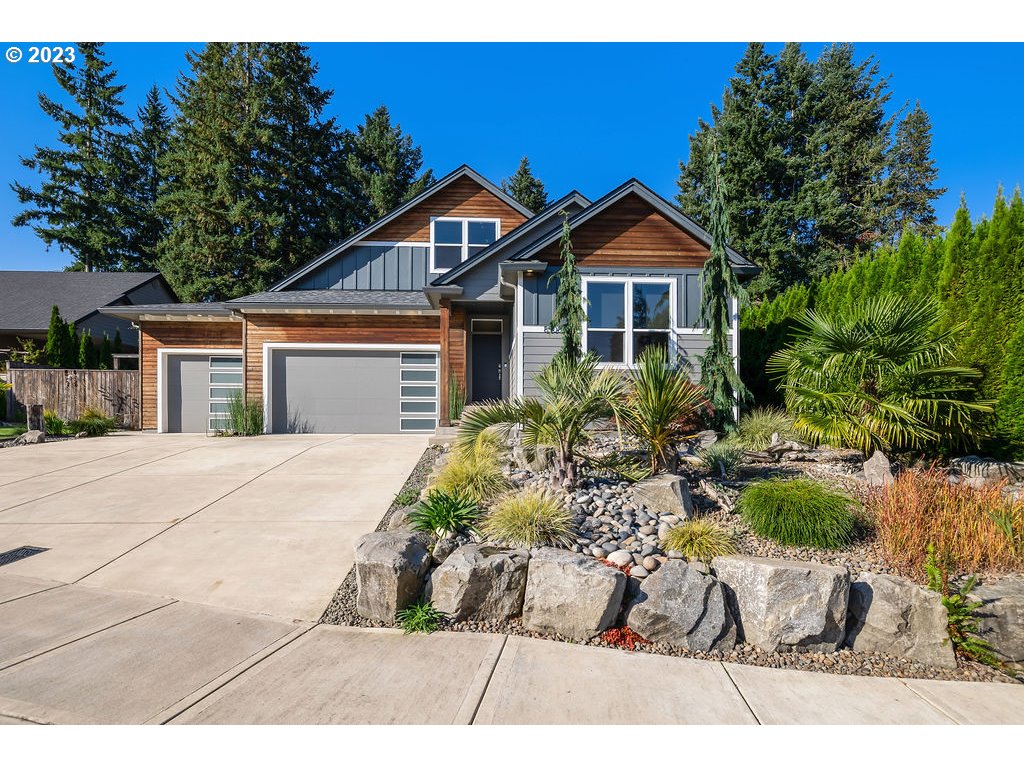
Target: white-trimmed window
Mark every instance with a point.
(453, 240)
(627, 315)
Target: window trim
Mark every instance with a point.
(627, 329)
(465, 220)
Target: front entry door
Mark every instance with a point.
(487, 363)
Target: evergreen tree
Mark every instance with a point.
(106, 356)
(912, 177)
(721, 382)
(71, 349)
(147, 143)
(383, 167)
(955, 263)
(56, 350)
(81, 202)
(569, 313)
(526, 188)
(87, 357)
(118, 346)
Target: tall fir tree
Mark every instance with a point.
(146, 145)
(911, 184)
(526, 188)
(56, 350)
(383, 166)
(569, 313)
(87, 354)
(80, 204)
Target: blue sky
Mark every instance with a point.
(588, 115)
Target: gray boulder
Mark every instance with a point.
(31, 437)
(666, 494)
(400, 519)
(481, 583)
(679, 605)
(989, 469)
(390, 567)
(878, 470)
(891, 615)
(781, 605)
(571, 594)
(1002, 618)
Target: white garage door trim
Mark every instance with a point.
(162, 354)
(270, 346)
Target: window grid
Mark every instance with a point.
(225, 379)
(468, 245)
(418, 373)
(629, 330)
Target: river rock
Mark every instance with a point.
(570, 594)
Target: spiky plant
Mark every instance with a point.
(699, 539)
(529, 518)
(755, 428)
(573, 395)
(880, 377)
(421, 616)
(477, 476)
(444, 514)
(661, 406)
(722, 458)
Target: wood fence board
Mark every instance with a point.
(70, 391)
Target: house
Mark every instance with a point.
(27, 299)
(453, 286)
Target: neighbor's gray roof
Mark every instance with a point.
(27, 297)
(333, 297)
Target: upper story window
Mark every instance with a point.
(627, 315)
(453, 240)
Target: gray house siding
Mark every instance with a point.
(372, 268)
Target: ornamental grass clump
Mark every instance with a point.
(971, 529)
(419, 617)
(722, 458)
(699, 539)
(55, 425)
(529, 518)
(444, 514)
(474, 469)
(799, 512)
(755, 428)
(93, 422)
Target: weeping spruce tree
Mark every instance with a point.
(721, 382)
(568, 315)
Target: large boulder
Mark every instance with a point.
(891, 615)
(679, 605)
(390, 566)
(781, 605)
(571, 594)
(481, 583)
(988, 469)
(32, 437)
(1002, 618)
(666, 495)
(878, 470)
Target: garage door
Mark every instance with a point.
(199, 388)
(359, 391)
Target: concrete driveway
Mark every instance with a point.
(263, 524)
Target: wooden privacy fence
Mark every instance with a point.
(69, 391)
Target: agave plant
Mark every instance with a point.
(661, 406)
(881, 377)
(573, 394)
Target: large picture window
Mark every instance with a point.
(453, 241)
(626, 316)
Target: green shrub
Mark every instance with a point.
(246, 416)
(93, 422)
(456, 398)
(444, 514)
(529, 518)
(963, 624)
(722, 458)
(407, 497)
(473, 474)
(419, 617)
(699, 540)
(756, 427)
(799, 512)
(55, 425)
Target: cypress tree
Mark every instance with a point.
(569, 314)
(383, 167)
(106, 356)
(72, 348)
(118, 346)
(526, 188)
(912, 177)
(81, 203)
(87, 357)
(147, 143)
(956, 260)
(55, 351)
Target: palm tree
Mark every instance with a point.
(880, 377)
(661, 406)
(574, 394)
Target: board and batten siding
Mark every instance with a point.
(366, 267)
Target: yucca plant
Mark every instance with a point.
(661, 406)
(529, 518)
(880, 377)
(573, 395)
(444, 514)
(699, 539)
(755, 428)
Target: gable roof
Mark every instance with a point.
(462, 172)
(27, 297)
(531, 224)
(656, 201)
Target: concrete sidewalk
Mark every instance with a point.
(76, 654)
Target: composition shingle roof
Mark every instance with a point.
(335, 297)
(27, 297)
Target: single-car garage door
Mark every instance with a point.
(353, 390)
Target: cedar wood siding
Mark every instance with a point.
(157, 334)
(630, 233)
(463, 197)
(348, 329)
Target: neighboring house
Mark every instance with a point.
(27, 299)
(455, 283)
